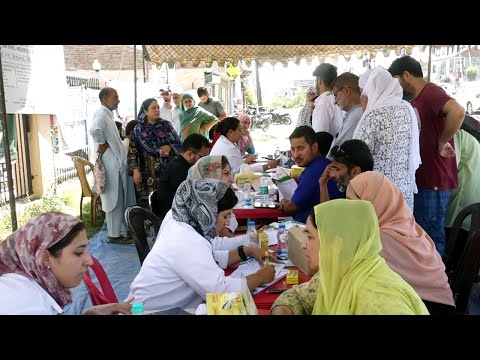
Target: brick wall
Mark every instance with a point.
(111, 57)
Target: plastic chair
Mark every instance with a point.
(80, 165)
(106, 295)
(462, 258)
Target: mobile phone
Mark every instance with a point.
(276, 291)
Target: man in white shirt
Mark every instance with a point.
(176, 97)
(326, 115)
(166, 110)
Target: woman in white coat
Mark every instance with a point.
(230, 132)
(180, 269)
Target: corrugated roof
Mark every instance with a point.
(183, 55)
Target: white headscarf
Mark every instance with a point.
(383, 90)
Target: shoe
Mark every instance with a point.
(121, 240)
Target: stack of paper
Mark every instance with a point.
(245, 269)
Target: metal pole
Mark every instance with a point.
(6, 147)
(257, 83)
(429, 62)
(135, 78)
(144, 71)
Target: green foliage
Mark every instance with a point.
(67, 201)
(472, 73)
(289, 102)
(248, 94)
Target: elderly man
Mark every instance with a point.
(119, 191)
(347, 96)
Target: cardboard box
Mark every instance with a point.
(240, 179)
(292, 277)
(295, 252)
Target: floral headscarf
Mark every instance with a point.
(23, 251)
(206, 167)
(306, 112)
(196, 203)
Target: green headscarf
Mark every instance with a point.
(353, 277)
(193, 119)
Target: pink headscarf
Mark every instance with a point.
(243, 141)
(407, 248)
(23, 251)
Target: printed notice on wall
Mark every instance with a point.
(33, 78)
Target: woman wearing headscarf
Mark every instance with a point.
(305, 116)
(194, 119)
(181, 269)
(215, 167)
(39, 264)
(406, 247)
(156, 144)
(245, 143)
(352, 278)
(389, 126)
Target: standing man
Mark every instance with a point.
(326, 115)
(119, 191)
(210, 104)
(166, 110)
(440, 118)
(347, 96)
(176, 97)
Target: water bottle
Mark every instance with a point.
(263, 192)
(247, 195)
(277, 153)
(252, 234)
(137, 308)
(282, 250)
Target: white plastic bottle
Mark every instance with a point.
(263, 192)
(252, 234)
(282, 250)
(247, 195)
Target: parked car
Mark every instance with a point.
(468, 95)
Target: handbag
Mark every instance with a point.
(99, 176)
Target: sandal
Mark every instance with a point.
(121, 240)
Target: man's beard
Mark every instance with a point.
(341, 187)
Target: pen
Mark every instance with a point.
(276, 291)
(266, 257)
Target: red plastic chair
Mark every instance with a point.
(106, 295)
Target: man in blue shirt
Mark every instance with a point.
(309, 151)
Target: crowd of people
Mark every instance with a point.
(379, 187)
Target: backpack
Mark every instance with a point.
(471, 126)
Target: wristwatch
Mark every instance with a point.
(241, 253)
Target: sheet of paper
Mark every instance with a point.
(245, 269)
(287, 188)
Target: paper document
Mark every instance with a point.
(245, 269)
(288, 224)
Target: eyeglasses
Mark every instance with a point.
(334, 93)
(165, 94)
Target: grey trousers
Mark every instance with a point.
(116, 225)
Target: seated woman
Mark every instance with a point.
(245, 143)
(215, 167)
(156, 144)
(230, 132)
(181, 269)
(352, 277)
(406, 247)
(194, 119)
(39, 264)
